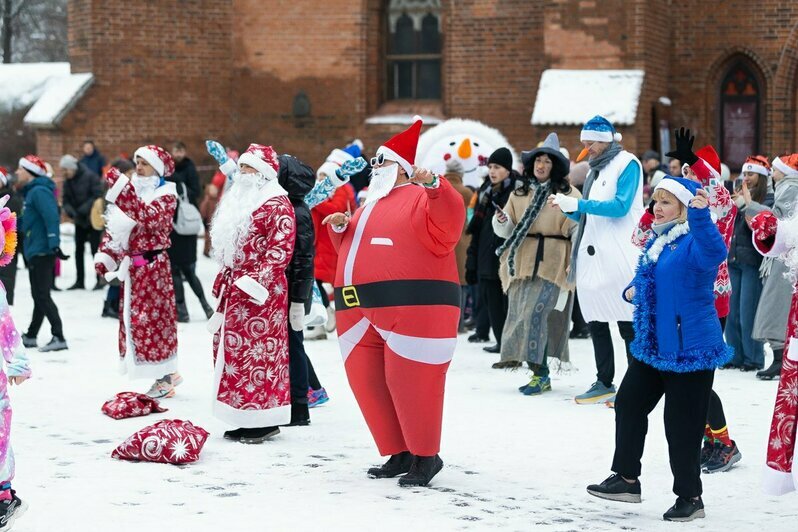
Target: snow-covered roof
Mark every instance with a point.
(572, 97)
(21, 84)
(401, 119)
(59, 97)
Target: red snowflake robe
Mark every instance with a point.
(772, 238)
(137, 229)
(251, 364)
(724, 211)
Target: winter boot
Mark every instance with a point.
(10, 510)
(615, 488)
(685, 510)
(396, 465)
(234, 434)
(28, 341)
(55, 344)
(494, 349)
(774, 370)
(723, 459)
(109, 311)
(422, 471)
(182, 313)
(259, 435)
(477, 339)
(300, 417)
(206, 308)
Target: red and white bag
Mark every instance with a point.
(131, 404)
(170, 441)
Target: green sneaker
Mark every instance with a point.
(537, 386)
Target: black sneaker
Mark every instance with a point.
(707, 452)
(615, 488)
(685, 510)
(422, 471)
(398, 464)
(723, 459)
(477, 339)
(28, 341)
(10, 510)
(77, 286)
(259, 435)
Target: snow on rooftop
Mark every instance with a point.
(402, 119)
(572, 97)
(21, 84)
(58, 98)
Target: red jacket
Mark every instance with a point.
(326, 255)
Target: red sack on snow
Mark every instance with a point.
(169, 441)
(131, 404)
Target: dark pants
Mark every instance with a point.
(313, 379)
(297, 367)
(187, 272)
(686, 401)
(8, 276)
(480, 311)
(83, 235)
(576, 315)
(604, 351)
(41, 271)
(716, 419)
(494, 299)
(325, 299)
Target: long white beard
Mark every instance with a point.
(382, 182)
(145, 186)
(233, 218)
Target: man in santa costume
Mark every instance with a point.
(398, 305)
(133, 252)
(252, 234)
(779, 238)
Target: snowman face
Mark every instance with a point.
(470, 150)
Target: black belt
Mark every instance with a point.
(539, 254)
(402, 293)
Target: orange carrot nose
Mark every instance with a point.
(464, 151)
(582, 154)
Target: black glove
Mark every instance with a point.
(650, 208)
(684, 146)
(471, 277)
(60, 254)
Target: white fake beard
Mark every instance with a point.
(382, 182)
(233, 218)
(145, 186)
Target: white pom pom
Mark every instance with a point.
(358, 143)
(417, 118)
(617, 136)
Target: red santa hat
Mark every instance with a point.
(402, 147)
(711, 157)
(261, 158)
(158, 158)
(787, 164)
(33, 164)
(757, 164)
(4, 176)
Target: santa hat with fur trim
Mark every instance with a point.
(787, 164)
(711, 157)
(33, 164)
(4, 176)
(757, 164)
(599, 129)
(684, 189)
(402, 147)
(261, 158)
(334, 161)
(158, 158)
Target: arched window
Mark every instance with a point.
(740, 102)
(413, 55)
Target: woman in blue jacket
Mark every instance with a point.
(678, 345)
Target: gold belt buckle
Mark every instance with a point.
(349, 294)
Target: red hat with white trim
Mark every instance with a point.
(261, 158)
(711, 157)
(402, 147)
(787, 164)
(158, 158)
(33, 164)
(4, 176)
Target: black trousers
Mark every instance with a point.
(83, 235)
(313, 379)
(187, 272)
(576, 315)
(325, 299)
(494, 299)
(41, 270)
(604, 351)
(480, 311)
(686, 402)
(297, 367)
(716, 418)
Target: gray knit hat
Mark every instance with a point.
(453, 166)
(68, 162)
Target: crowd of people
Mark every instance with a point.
(401, 260)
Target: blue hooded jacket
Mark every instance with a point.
(40, 219)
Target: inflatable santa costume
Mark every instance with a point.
(398, 305)
(779, 238)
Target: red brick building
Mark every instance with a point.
(310, 75)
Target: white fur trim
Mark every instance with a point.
(393, 156)
(758, 168)
(788, 171)
(327, 168)
(358, 143)
(252, 288)
(777, 482)
(106, 260)
(596, 136)
(258, 164)
(151, 157)
(349, 264)
(120, 273)
(677, 189)
(780, 244)
(30, 167)
(115, 190)
(653, 253)
(339, 157)
(792, 350)
(215, 322)
(228, 167)
(348, 340)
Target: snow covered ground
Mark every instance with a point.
(512, 462)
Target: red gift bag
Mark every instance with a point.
(170, 441)
(131, 404)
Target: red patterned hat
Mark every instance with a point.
(158, 158)
(261, 158)
(787, 164)
(757, 164)
(33, 164)
(402, 147)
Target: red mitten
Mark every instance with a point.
(170, 441)
(131, 404)
(112, 176)
(764, 225)
(100, 268)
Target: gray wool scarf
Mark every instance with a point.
(596, 165)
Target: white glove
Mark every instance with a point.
(566, 203)
(296, 316)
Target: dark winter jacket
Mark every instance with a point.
(94, 162)
(741, 249)
(40, 218)
(484, 242)
(80, 192)
(297, 179)
(184, 247)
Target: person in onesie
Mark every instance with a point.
(397, 300)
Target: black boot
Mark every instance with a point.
(182, 313)
(396, 465)
(258, 435)
(234, 434)
(685, 510)
(206, 308)
(109, 311)
(422, 471)
(300, 415)
(774, 371)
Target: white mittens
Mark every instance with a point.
(566, 203)
(296, 316)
